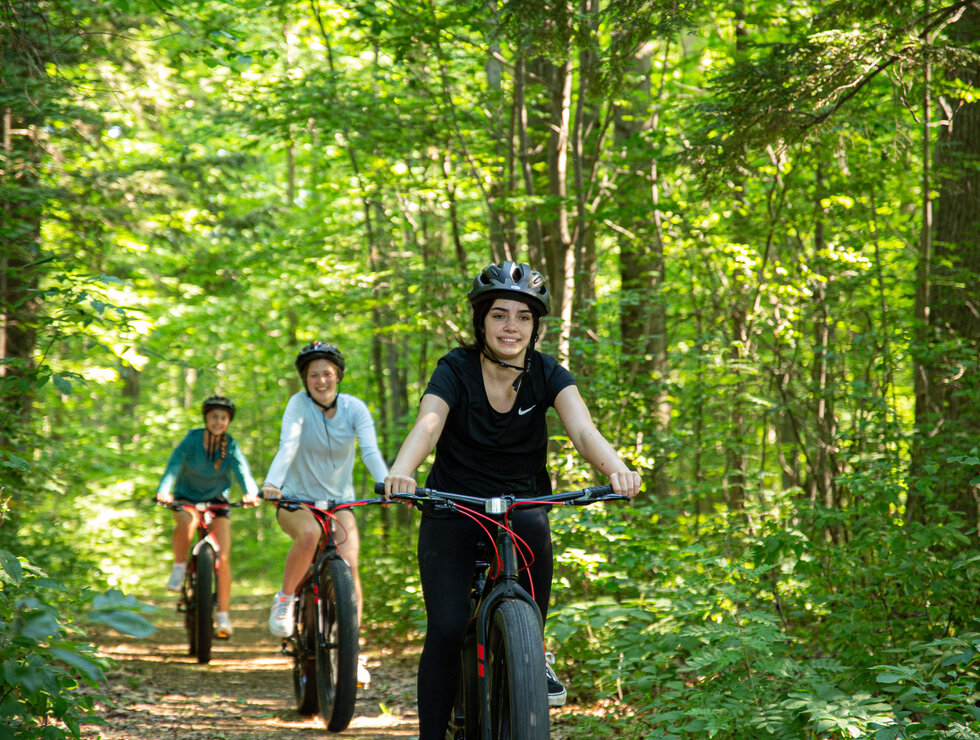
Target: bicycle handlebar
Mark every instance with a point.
(324, 504)
(500, 504)
(202, 505)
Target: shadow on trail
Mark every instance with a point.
(158, 691)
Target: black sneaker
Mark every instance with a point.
(556, 692)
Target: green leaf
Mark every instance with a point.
(11, 566)
(12, 461)
(89, 669)
(116, 599)
(125, 622)
(40, 626)
(890, 677)
(61, 383)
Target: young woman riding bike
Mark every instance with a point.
(315, 462)
(201, 469)
(484, 413)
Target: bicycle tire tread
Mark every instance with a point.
(516, 674)
(337, 697)
(204, 602)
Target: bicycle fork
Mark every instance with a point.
(507, 588)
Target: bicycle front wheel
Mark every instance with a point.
(336, 654)
(187, 605)
(204, 602)
(516, 675)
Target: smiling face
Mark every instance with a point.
(217, 420)
(321, 379)
(508, 328)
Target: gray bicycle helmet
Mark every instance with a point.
(514, 280)
(317, 350)
(218, 402)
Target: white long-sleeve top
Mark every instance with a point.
(315, 460)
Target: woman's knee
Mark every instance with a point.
(307, 539)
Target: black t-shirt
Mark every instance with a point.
(481, 451)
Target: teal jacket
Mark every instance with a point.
(192, 477)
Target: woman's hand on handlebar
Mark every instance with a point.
(165, 497)
(395, 483)
(271, 491)
(626, 483)
(251, 499)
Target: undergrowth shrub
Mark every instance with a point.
(43, 660)
(770, 624)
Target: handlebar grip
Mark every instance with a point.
(597, 491)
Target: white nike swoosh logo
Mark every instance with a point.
(521, 412)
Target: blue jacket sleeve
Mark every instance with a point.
(239, 465)
(177, 459)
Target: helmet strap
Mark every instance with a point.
(488, 353)
(333, 404)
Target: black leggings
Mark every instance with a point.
(446, 554)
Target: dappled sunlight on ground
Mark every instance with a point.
(158, 692)
(245, 693)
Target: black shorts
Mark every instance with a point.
(216, 513)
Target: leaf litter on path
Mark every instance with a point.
(157, 691)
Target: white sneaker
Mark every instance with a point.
(176, 576)
(363, 674)
(224, 630)
(281, 615)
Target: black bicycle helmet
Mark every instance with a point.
(514, 280)
(318, 350)
(218, 402)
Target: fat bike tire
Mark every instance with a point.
(516, 674)
(189, 608)
(304, 654)
(203, 602)
(337, 648)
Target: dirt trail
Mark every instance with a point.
(246, 693)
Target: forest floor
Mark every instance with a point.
(156, 691)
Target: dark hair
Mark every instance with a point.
(480, 311)
(215, 447)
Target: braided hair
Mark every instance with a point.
(215, 447)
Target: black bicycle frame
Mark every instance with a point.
(504, 587)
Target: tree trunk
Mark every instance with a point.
(643, 317)
(25, 51)
(585, 149)
(948, 397)
(822, 472)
